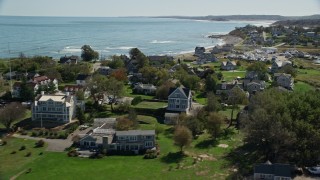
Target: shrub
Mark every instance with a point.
(28, 154)
(73, 153)
(28, 171)
(136, 100)
(3, 142)
(13, 152)
(40, 133)
(150, 154)
(40, 143)
(40, 153)
(24, 133)
(34, 134)
(23, 147)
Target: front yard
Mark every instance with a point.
(205, 160)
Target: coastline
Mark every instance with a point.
(226, 39)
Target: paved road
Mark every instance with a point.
(54, 145)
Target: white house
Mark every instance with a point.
(180, 99)
(58, 107)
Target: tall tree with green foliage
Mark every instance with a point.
(182, 137)
(236, 96)
(141, 59)
(115, 89)
(215, 121)
(88, 54)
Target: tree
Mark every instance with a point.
(194, 125)
(81, 116)
(182, 137)
(288, 69)
(120, 74)
(11, 113)
(141, 59)
(26, 92)
(163, 90)
(88, 54)
(116, 62)
(98, 85)
(190, 81)
(260, 68)
(115, 89)
(213, 104)
(211, 82)
(236, 96)
(124, 124)
(51, 87)
(215, 121)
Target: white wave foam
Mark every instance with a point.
(161, 42)
(119, 48)
(69, 49)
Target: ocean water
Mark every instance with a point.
(59, 36)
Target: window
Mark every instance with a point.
(148, 144)
(121, 138)
(92, 144)
(149, 137)
(133, 138)
(177, 106)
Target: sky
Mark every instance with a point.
(115, 8)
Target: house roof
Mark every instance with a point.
(135, 132)
(283, 170)
(72, 88)
(56, 98)
(186, 91)
(40, 79)
(105, 122)
(145, 86)
(225, 63)
(276, 75)
(82, 77)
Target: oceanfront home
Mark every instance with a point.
(198, 51)
(57, 107)
(180, 100)
(69, 59)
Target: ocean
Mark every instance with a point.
(59, 36)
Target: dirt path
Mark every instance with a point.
(17, 175)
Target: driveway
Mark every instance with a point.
(54, 145)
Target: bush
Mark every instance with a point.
(40, 143)
(24, 133)
(73, 153)
(23, 147)
(136, 100)
(28, 154)
(3, 142)
(34, 134)
(150, 154)
(28, 171)
(13, 152)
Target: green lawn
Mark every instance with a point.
(151, 105)
(310, 76)
(230, 75)
(12, 164)
(303, 87)
(169, 165)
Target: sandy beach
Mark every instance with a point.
(227, 39)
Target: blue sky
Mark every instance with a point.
(157, 7)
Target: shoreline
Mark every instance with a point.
(226, 39)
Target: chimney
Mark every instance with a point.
(42, 92)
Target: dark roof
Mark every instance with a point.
(186, 91)
(135, 132)
(66, 59)
(283, 170)
(82, 77)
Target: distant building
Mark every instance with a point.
(73, 89)
(82, 79)
(228, 65)
(147, 89)
(58, 107)
(69, 59)
(105, 70)
(284, 80)
(277, 64)
(199, 51)
(269, 50)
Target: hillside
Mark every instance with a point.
(244, 17)
(301, 23)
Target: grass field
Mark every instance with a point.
(12, 164)
(303, 87)
(231, 75)
(310, 76)
(169, 165)
(128, 93)
(151, 105)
